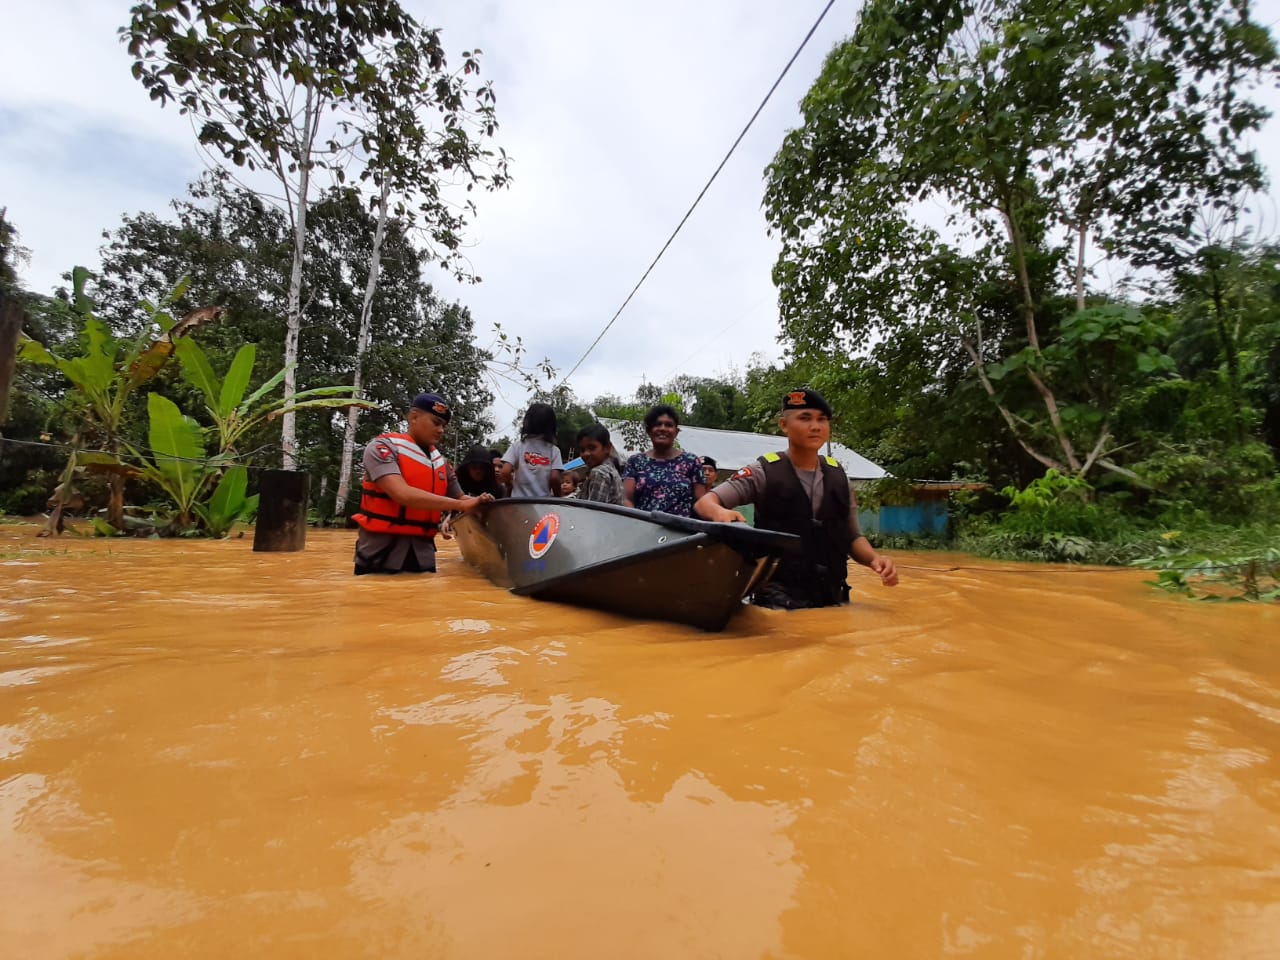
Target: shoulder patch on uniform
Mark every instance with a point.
(382, 451)
(832, 461)
(743, 474)
(772, 457)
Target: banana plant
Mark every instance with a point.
(106, 376)
(178, 464)
(234, 414)
(228, 503)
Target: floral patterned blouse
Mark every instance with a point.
(665, 485)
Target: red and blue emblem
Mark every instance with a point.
(543, 535)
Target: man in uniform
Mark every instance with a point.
(407, 485)
(802, 492)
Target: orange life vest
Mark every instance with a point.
(420, 469)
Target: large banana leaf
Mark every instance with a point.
(177, 449)
(93, 372)
(263, 390)
(320, 404)
(236, 381)
(227, 504)
(302, 395)
(197, 370)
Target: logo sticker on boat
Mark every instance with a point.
(543, 535)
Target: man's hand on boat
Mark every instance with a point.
(708, 507)
(395, 487)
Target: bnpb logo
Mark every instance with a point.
(543, 535)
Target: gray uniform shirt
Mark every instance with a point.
(390, 551)
(748, 486)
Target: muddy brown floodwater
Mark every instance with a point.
(206, 752)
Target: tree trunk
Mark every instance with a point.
(115, 501)
(362, 346)
(293, 324)
(1229, 353)
(1083, 231)
(62, 491)
(11, 319)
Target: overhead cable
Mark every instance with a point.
(701, 193)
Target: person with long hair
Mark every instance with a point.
(532, 466)
(664, 477)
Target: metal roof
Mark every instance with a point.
(733, 449)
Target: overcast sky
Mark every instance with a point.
(614, 115)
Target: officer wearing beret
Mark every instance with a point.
(802, 492)
(407, 486)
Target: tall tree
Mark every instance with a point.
(289, 89)
(411, 164)
(1041, 128)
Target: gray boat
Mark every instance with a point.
(635, 562)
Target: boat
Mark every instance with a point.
(639, 563)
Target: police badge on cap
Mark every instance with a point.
(433, 403)
(806, 399)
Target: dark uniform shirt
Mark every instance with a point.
(748, 486)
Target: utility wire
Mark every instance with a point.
(813, 29)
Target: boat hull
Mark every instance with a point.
(633, 562)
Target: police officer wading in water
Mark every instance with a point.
(407, 485)
(802, 492)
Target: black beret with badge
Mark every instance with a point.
(806, 399)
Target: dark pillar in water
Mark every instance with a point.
(11, 318)
(282, 512)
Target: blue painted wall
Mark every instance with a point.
(925, 519)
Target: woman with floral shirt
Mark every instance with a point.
(663, 477)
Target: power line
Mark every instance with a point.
(813, 29)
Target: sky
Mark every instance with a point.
(614, 115)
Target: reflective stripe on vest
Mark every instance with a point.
(421, 470)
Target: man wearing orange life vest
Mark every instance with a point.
(407, 485)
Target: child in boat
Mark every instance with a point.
(604, 483)
(802, 492)
(532, 465)
(569, 484)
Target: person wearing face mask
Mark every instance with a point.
(407, 486)
(800, 491)
(664, 477)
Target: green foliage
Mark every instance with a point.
(234, 414)
(228, 504)
(178, 463)
(1043, 129)
(1215, 578)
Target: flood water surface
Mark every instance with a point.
(206, 752)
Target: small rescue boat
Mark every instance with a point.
(635, 562)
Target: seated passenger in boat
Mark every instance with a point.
(604, 483)
(477, 475)
(801, 491)
(664, 477)
(407, 485)
(569, 485)
(532, 465)
(709, 471)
